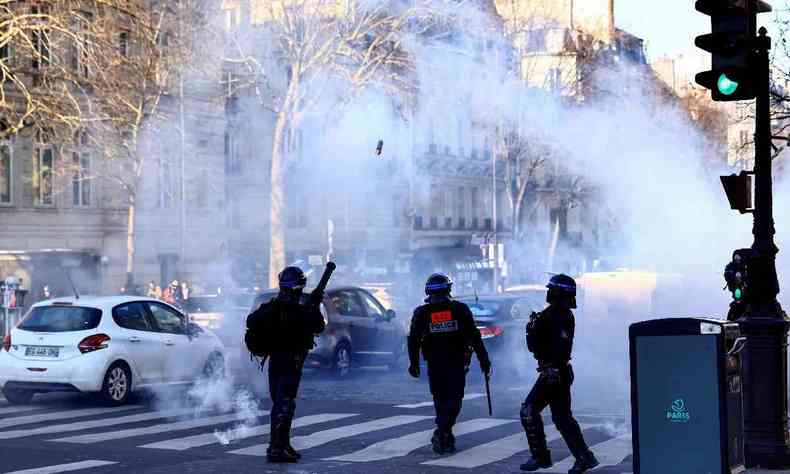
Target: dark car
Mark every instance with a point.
(225, 314)
(359, 331)
(502, 320)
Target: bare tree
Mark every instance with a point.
(120, 76)
(322, 51)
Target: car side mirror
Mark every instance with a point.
(389, 315)
(193, 330)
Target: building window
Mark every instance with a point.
(5, 173)
(203, 189)
(79, 54)
(165, 184)
(232, 161)
(42, 175)
(536, 41)
(5, 51)
(80, 180)
(40, 40)
(232, 19)
(123, 44)
(744, 137)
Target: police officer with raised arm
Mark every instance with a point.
(444, 330)
(550, 339)
(287, 326)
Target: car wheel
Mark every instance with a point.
(18, 396)
(215, 368)
(117, 385)
(341, 364)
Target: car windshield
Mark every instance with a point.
(483, 308)
(204, 304)
(61, 319)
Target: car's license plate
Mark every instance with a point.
(42, 351)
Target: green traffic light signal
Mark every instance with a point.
(726, 85)
(738, 293)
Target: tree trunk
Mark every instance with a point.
(131, 215)
(277, 185)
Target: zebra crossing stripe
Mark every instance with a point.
(468, 396)
(322, 437)
(609, 453)
(205, 439)
(160, 428)
(61, 415)
(74, 466)
(491, 452)
(401, 446)
(19, 409)
(95, 423)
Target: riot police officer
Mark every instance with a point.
(550, 339)
(289, 324)
(444, 330)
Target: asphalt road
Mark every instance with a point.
(376, 421)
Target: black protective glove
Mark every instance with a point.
(414, 371)
(485, 366)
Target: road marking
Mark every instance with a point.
(100, 423)
(160, 428)
(61, 415)
(322, 437)
(205, 439)
(468, 396)
(491, 452)
(396, 447)
(74, 466)
(609, 453)
(19, 409)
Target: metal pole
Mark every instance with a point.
(764, 323)
(495, 252)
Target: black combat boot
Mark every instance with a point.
(584, 463)
(277, 453)
(449, 442)
(287, 441)
(538, 460)
(437, 442)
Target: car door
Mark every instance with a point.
(386, 342)
(138, 333)
(352, 315)
(181, 357)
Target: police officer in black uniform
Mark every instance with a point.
(550, 339)
(444, 330)
(295, 319)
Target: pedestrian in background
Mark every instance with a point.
(444, 329)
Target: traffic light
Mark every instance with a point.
(736, 274)
(738, 188)
(733, 29)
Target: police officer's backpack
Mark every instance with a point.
(260, 331)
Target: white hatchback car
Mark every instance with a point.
(108, 345)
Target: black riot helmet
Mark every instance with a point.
(438, 284)
(562, 291)
(292, 281)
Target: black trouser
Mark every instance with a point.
(447, 382)
(285, 373)
(556, 395)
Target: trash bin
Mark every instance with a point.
(686, 399)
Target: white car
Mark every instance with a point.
(108, 345)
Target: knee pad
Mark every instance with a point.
(529, 418)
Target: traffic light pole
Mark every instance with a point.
(764, 323)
